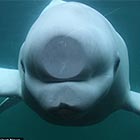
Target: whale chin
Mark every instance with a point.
(64, 112)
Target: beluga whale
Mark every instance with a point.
(73, 68)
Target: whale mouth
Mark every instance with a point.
(64, 112)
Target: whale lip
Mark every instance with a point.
(64, 112)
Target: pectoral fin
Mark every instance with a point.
(10, 83)
(133, 102)
(10, 88)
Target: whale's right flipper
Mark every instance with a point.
(10, 83)
(10, 88)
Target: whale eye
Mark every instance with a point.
(22, 66)
(116, 64)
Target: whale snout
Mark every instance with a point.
(62, 96)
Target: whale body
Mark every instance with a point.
(73, 68)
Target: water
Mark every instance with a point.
(16, 17)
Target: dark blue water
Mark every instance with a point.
(16, 17)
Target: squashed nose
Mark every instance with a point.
(64, 95)
(64, 57)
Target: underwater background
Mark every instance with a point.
(16, 18)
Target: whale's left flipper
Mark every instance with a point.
(10, 88)
(133, 102)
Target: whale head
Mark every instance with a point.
(66, 69)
